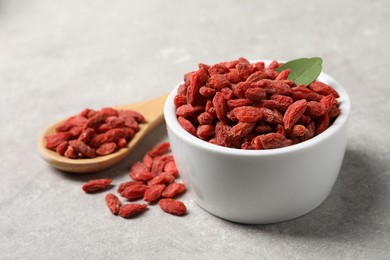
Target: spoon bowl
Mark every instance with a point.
(151, 109)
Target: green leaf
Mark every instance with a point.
(303, 71)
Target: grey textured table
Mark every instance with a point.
(58, 57)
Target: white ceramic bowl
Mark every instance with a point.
(260, 186)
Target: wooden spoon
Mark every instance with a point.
(152, 110)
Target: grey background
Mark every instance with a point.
(58, 57)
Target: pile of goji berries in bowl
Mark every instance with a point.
(258, 142)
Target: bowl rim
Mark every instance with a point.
(341, 120)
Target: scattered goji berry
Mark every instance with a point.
(131, 209)
(113, 203)
(173, 189)
(159, 149)
(96, 185)
(140, 172)
(134, 192)
(154, 192)
(173, 206)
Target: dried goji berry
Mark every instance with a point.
(76, 131)
(222, 137)
(333, 112)
(103, 128)
(328, 102)
(126, 184)
(163, 178)
(272, 116)
(139, 172)
(96, 185)
(256, 76)
(109, 111)
(283, 74)
(98, 140)
(106, 148)
(61, 148)
(315, 109)
(298, 131)
(131, 209)
(263, 127)
(159, 149)
(282, 101)
(96, 120)
(170, 167)
(220, 107)
(270, 141)
(115, 122)
(218, 69)
(148, 161)
(173, 206)
(259, 65)
(173, 189)
(134, 192)
(186, 110)
(52, 141)
(206, 118)
(255, 94)
(218, 81)
(131, 113)
(206, 92)
(198, 79)
(233, 76)
(205, 132)
(70, 152)
(154, 192)
(294, 113)
(121, 143)
(239, 102)
(187, 125)
(302, 92)
(243, 69)
(115, 134)
(240, 89)
(113, 203)
(180, 100)
(323, 89)
(82, 148)
(322, 124)
(248, 114)
(241, 129)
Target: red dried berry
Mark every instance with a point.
(187, 125)
(248, 114)
(106, 148)
(139, 172)
(129, 210)
(159, 149)
(96, 185)
(170, 167)
(163, 178)
(323, 89)
(126, 184)
(294, 113)
(134, 192)
(154, 192)
(173, 189)
(52, 141)
(113, 203)
(173, 207)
